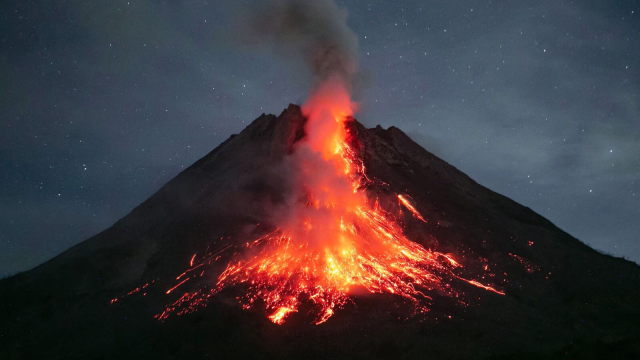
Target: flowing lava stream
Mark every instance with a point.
(332, 241)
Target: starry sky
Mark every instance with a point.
(103, 102)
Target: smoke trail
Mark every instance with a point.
(316, 29)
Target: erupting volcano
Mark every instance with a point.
(386, 247)
(332, 237)
(310, 218)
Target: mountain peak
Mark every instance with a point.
(561, 297)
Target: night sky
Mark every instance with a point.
(103, 102)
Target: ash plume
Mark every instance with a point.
(315, 29)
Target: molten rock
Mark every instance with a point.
(357, 243)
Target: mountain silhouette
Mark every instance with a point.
(101, 298)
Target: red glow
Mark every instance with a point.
(409, 206)
(175, 287)
(335, 240)
(489, 288)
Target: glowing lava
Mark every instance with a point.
(332, 238)
(409, 206)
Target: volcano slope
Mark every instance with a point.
(562, 299)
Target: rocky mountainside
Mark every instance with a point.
(562, 299)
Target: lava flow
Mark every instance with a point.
(332, 238)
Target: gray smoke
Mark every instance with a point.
(316, 29)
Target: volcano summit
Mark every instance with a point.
(270, 248)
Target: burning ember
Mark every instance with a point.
(333, 239)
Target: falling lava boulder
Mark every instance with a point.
(98, 299)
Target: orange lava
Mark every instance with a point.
(409, 206)
(335, 239)
(338, 239)
(486, 287)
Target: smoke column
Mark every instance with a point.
(314, 29)
(315, 32)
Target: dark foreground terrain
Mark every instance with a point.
(562, 299)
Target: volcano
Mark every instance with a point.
(424, 263)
